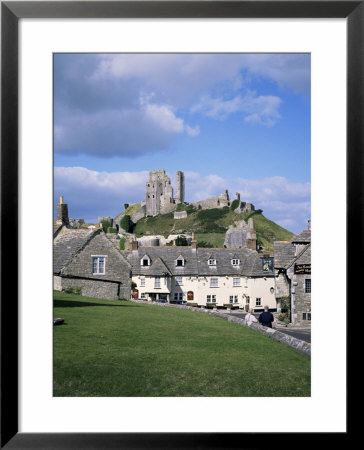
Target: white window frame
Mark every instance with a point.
(145, 258)
(235, 262)
(97, 258)
(256, 301)
(211, 298)
(157, 282)
(143, 295)
(236, 282)
(211, 262)
(178, 281)
(142, 282)
(233, 299)
(214, 282)
(182, 260)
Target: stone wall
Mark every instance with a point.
(180, 215)
(139, 214)
(95, 288)
(300, 346)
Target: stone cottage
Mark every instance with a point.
(85, 259)
(292, 262)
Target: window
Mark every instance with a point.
(308, 286)
(214, 282)
(178, 296)
(212, 262)
(235, 262)
(306, 316)
(143, 295)
(233, 299)
(236, 282)
(145, 261)
(98, 265)
(211, 299)
(157, 282)
(178, 281)
(142, 282)
(180, 262)
(258, 302)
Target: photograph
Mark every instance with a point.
(182, 224)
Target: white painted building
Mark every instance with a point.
(239, 278)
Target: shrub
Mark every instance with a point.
(181, 241)
(283, 318)
(112, 230)
(105, 225)
(73, 290)
(122, 243)
(125, 223)
(126, 206)
(235, 204)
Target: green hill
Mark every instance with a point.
(210, 226)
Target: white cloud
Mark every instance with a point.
(263, 109)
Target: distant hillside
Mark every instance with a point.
(210, 226)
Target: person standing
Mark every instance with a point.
(250, 318)
(266, 318)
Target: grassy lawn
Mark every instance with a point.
(119, 349)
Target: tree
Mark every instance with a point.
(125, 223)
(105, 225)
(181, 241)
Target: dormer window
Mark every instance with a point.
(211, 262)
(235, 262)
(145, 261)
(180, 261)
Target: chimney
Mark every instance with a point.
(62, 211)
(134, 245)
(309, 224)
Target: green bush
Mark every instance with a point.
(235, 204)
(126, 206)
(125, 223)
(122, 243)
(112, 230)
(181, 241)
(74, 290)
(283, 318)
(105, 225)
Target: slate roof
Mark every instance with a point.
(304, 257)
(196, 262)
(67, 243)
(56, 228)
(304, 237)
(284, 253)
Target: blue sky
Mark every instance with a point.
(230, 121)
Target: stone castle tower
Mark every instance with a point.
(159, 193)
(180, 187)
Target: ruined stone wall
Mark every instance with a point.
(139, 214)
(159, 193)
(180, 187)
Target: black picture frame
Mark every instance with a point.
(11, 12)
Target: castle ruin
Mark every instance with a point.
(159, 193)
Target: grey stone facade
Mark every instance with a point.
(292, 262)
(74, 252)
